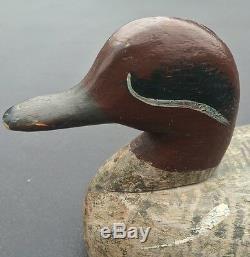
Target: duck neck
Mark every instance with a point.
(159, 161)
(179, 160)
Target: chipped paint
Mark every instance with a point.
(119, 175)
(40, 124)
(177, 215)
(6, 125)
(213, 218)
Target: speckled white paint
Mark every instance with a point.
(213, 218)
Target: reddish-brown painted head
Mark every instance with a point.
(167, 59)
(173, 78)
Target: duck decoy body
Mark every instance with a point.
(177, 81)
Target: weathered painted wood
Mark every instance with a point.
(177, 81)
(211, 218)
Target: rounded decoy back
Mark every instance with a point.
(172, 78)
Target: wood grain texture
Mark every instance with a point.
(211, 218)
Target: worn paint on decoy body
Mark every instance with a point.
(178, 82)
(172, 78)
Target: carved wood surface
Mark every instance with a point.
(208, 219)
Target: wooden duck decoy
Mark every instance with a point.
(177, 81)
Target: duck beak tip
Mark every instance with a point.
(6, 119)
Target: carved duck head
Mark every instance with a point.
(173, 78)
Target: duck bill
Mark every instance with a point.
(71, 108)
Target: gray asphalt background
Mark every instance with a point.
(47, 46)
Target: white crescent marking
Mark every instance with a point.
(201, 107)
